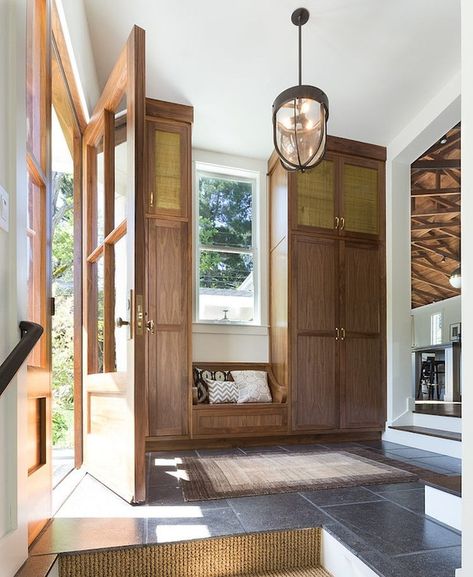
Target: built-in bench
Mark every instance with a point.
(241, 420)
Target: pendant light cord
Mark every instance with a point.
(300, 51)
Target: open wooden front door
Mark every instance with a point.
(113, 273)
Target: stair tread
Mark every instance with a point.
(449, 435)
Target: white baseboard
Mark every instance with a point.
(434, 444)
(339, 561)
(444, 507)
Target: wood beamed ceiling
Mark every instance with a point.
(436, 220)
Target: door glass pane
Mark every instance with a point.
(100, 313)
(167, 177)
(34, 93)
(121, 167)
(36, 260)
(122, 308)
(316, 196)
(62, 336)
(226, 289)
(360, 199)
(100, 192)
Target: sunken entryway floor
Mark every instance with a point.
(384, 524)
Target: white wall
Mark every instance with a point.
(451, 313)
(438, 116)
(467, 280)
(76, 30)
(13, 421)
(237, 343)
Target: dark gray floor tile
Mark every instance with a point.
(330, 497)
(413, 500)
(412, 453)
(170, 495)
(387, 445)
(341, 446)
(439, 563)
(199, 524)
(443, 461)
(396, 457)
(391, 529)
(426, 464)
(82, 534)
(387, 488)
(347, 538)
(283, 511)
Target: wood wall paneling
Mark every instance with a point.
(278, 205)
(279, 312)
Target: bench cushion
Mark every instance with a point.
(222, 392)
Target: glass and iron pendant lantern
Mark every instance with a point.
(300, 115)
(456, 278)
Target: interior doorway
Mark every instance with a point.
(436, 276)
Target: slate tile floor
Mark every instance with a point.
(384, 525)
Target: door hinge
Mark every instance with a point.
(52, 306)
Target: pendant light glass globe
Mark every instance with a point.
(456, 278)
(300, 115)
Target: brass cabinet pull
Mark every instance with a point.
(337, 222)
(343, 334)
(150, 327)
(337, 334)
(342, 223)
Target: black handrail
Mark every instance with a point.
(30, 334)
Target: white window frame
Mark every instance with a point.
(230, 173)
(436, 328)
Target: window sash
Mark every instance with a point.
(235, 175)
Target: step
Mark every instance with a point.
(443, 500)
(449, 435)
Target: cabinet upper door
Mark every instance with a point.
(361, 197)
(168, 168)
(315, 200)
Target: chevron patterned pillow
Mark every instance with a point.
(222, 391)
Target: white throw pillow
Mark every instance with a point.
(222, 391)
(252, 386)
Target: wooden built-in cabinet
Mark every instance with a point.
(168, 306)
(327, 279)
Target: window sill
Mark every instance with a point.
(230, 329)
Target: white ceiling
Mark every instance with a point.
(379, 61)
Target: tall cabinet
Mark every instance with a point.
(327, 278)
(168, 265)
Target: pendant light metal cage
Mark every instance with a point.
(300, 115)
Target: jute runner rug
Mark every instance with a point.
(219, 477)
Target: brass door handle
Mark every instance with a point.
(150, 327)
(342, 223)
(337, 222)
(121, 323)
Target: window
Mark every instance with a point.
(226, 259)
(436, 329)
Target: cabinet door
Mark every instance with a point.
(315, 383)
(314, 206)
(363, 325)
(168, 362)
(168, 149)
(315, 310)
(361, 197)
